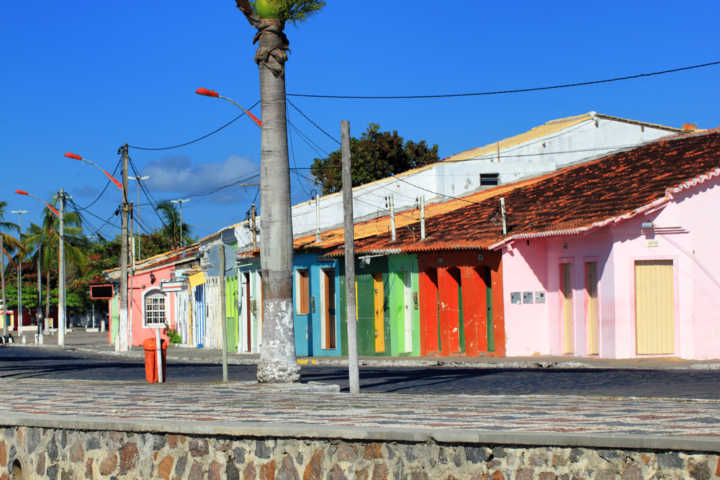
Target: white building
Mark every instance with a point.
(542, 149)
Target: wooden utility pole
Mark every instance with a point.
(121, 339)
(349, 233)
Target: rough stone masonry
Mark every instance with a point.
(36, 452)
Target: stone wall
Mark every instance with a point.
(77, 454)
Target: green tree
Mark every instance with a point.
(277, 357)
(375, 155)
(8, 244)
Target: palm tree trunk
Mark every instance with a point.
(277, 355)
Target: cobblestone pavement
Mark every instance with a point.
(250, 402)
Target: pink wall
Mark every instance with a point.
(140, 285)
(534, 266)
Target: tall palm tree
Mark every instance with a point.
(8, 245)
(43, 241)
(277, 356)
(173, 230)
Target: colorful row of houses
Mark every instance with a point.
(612, 256)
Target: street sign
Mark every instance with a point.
(172, 286)
(101, 291)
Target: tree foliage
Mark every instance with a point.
(375, 155)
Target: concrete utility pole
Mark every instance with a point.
(223, 312)
(181, 201)
(136, 213)
(349, 234)
(61, 274)
(121, 339)
(18, 321)
(38, 315)
(2, 279)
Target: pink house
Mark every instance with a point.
(617, 257)
(156, 290)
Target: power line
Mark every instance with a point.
(145, 190)
(319, 150)
(504, 92)
(190, 142)
(102, 192)
(313, 123)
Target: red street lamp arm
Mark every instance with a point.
(75, 156)
(52, 209)
(212, 93)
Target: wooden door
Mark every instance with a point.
(591, 283)
(328, 316)
(407, 313)
(567, 307)
(379, 312)
(654, 307)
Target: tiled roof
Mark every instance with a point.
(570, 200)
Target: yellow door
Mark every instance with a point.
(654, 307)
(379, 313)
(592, 307)
(567, 307)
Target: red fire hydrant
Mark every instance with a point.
(151, 371)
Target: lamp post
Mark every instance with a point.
(137, 212)
(181, 201)
(123, 335)
(61, 267)
(213, 94)
(19, 319)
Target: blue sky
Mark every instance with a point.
(88, 76)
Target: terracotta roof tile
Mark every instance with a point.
(575, 197)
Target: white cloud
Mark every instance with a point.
(180, 175)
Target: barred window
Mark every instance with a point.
(154, 309)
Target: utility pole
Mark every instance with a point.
(121, 340)
(2, 279)
(223, 312)
(137, 212)
(252, 225)
(61, 273)
(38, 315)
(19, 319)
(349, 234)
(181, 201)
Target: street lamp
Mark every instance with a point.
(19, 319)
(61, 265)
(122, 339)
(75, 156)
(181, 201)
(138, 236)
(212, 93)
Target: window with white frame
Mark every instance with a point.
(154, 309)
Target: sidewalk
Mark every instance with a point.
(96, 343)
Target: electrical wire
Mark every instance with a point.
(504, 92)
(313, 123)
(314, 146)
(190, 142)
(102, 192)
(146, 191)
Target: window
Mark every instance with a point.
(489, 179)
(302, 291)
(154, 309)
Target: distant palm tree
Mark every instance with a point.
(172, 229)
(8, 245)
(45, 240)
